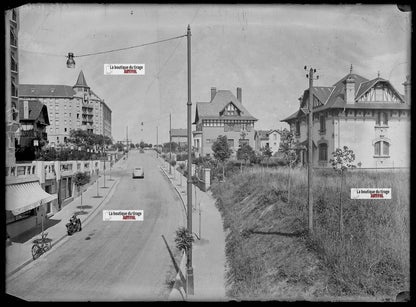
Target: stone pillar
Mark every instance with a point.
(207, 178)
(40, 172)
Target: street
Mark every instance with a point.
(112, 260)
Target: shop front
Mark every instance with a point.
(26, 205)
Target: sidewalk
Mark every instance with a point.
(18, 255)
(208, 252)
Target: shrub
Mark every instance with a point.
(183, 239)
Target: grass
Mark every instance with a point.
(270, 255)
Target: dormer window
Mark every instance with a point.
(230, 110)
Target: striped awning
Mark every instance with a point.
(26, 196)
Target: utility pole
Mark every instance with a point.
(189, 268)
(170, 143)
(157, 142)
(127, 140)
(310, 149)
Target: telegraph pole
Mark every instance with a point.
(170, 143)
(189, 268)
(310, 149)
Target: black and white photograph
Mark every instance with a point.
(207, 152)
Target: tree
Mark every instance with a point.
(342, 159)
(80, 137)
(245, 152)
(287, 147)
(266, 152)
(119, 147)
(142, 145)
(222, 151)
(167, 147)
(80, 180)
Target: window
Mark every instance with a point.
(14, 16)
(322, 124)
(323, 152)
(230, 110)
(381, 119)
(379, 93)
(13, 63)
(13, 40)
(230, 143)
(14, 87)
(297, 127)
(381, 148)
(243, 141)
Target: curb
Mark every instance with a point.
(64, 236)
(176, 189)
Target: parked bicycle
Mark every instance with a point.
(41, 246)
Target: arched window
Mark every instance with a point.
(381, 148)
(323, 152)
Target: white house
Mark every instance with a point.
(369, 116)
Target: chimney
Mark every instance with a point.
(213, 92)
(350, 90)
(25, 109)
(239, 94)
(407, 90)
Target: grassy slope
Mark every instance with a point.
(270, 255)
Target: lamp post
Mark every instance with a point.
(189, 268)
(104, 187)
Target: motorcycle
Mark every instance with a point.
(73, 225)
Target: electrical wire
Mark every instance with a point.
(131, 47)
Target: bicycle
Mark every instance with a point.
(41, 246)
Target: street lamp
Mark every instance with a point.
(70, 63)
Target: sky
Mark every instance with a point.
(261, 48)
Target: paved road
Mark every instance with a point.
(110, 261)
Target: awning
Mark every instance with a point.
(26, 196)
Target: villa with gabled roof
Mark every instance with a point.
(369, 116)
(224, 114)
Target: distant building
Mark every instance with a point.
(70, 107)
(369, 116)
(11, 82)
(225, 115)
(265, 138)
(180, 136)
(261, 139)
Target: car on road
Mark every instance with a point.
(138, 172)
